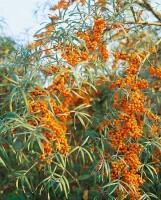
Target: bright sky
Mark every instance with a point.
(20, 19)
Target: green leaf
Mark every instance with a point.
(84, 177)
(81, 120)
(115, 182)
(13, 196)
(25, 101)
(85, 141)
(133, 12)
(2, 162)
(88, 154)
(73, 150)
(64, 187)
(6, 84)
(15, 77)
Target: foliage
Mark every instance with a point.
(7, 52)
(89, 126)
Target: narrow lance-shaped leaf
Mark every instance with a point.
(25, 100)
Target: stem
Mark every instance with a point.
(76, 180)
(144, 23)
(31, 168)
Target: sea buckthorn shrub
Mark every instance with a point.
(84, 120)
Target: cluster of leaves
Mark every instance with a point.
(62, 123)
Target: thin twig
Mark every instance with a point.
(31, 167)
(144, 23)
(76, 180)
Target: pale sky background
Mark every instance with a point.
(21, 23)
(20, 19)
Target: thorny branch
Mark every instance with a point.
(147, 6)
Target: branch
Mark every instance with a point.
(144, 23)
(146, 5)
